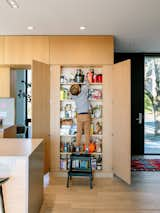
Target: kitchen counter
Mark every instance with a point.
(18, 147)
(22, 161)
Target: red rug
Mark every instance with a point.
(145, 165)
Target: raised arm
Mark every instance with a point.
(85, 87)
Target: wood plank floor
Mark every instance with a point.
(107, 196)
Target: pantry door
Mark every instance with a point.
(41, 107)
(122, 120)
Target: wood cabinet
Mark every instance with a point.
(4, 81)
(64, 51)
(81, 50)
(41, 107)
(24, 49)
(106, 120)
(1, 50)
(57, 49)
(116, 121)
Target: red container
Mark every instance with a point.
(94, 78)
(99, 78)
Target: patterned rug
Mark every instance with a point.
(145, 165)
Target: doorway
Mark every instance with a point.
(144, 136)
(21, 90)
(152, 105)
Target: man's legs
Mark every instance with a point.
(87, 125)
(79, 130)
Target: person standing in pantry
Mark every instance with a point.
(79, 93)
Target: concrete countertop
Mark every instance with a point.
(18, 147)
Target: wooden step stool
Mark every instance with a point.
(79, 169)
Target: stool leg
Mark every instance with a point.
(91, 186)
(1, 194)
(68, 181)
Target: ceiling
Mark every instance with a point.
(134, 23)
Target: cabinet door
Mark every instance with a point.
(1, 50)
(122, 120)
(41, 106)
(5, 82)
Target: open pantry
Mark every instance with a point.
(109, 95)
(68, 121)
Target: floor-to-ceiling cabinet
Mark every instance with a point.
(66, 51)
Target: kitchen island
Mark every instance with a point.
(22, 160)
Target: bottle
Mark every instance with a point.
(78, 76)
(62, 147)
(92, 129)
(94, 78)
(75, 78)
(82, 76)
(62, 95)
(62, 79)
(65, 147)
(90, 76)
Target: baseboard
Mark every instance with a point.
(96, 174)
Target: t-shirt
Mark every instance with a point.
(81, 100)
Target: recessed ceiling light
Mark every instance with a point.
(30, 28)
(15, 6)
(83, 28)
(13, 3)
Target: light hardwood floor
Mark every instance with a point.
(107, 196)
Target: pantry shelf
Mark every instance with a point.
(81, 83)
(69, 153)
(94, 135)
(95, 100)
(68, 124)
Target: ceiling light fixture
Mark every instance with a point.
(13, 3)
(30, 28)
(83, 28)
